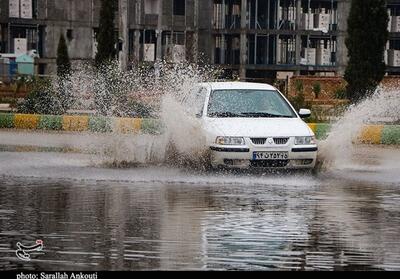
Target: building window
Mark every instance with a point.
(179, 7)
(151, 7)
(35, 8)
(70, 34)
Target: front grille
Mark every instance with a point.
(258, 141)
(262, 141)
(281, 141)
(269, 163)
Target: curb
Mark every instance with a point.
(73, 123)
(370, 134)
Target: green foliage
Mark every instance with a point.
(106, 36)
(42, 99)
(367, 37)
(63, 62)
(298, 101)
(317, 89)
(318, 115)
(50, 122)
(6, 120)
(299, 87)
(340, 93)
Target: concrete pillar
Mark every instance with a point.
(195, 47)
(136, 46)
(222, 50)
(298, 36)
(123, 33)
(342, 53)
(159, 38)
(243, 40)
(159, 32)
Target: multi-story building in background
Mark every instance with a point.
(253, 39)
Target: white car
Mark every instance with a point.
(253, 125)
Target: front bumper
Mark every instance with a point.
(300, 157)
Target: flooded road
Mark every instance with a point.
(91, 217)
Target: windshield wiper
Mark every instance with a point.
(226, 114)
(266, 114)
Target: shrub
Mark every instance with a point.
(340, 93)
(298, 101)
(41, 100)
(317, 89)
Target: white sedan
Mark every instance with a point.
(253, 125)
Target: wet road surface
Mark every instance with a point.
(92, 217)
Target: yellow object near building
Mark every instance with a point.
(26, 121)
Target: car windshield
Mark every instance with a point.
(248, 103)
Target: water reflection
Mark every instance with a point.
(101, 225)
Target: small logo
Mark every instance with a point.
(23, 251)
(270, 140)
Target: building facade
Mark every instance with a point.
(253, 39)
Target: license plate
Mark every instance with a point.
(270, 155)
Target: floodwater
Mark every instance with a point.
(92, 217)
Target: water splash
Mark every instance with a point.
(163, 89)
(337, 151)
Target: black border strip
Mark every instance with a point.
(305, 149)
(222, 149)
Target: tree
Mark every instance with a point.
(42, 99)
(63, 90)
(63, 63)
(366, 40)
(106, 38)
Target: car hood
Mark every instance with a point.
(257, 127)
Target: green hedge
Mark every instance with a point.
(6, 120)
(50, 122)
(100, 124)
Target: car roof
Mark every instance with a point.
(237, 85)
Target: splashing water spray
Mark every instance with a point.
(338, 149)
(110, 92)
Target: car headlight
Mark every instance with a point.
(230, 141)
(305, 141)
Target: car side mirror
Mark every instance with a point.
(304, 113)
